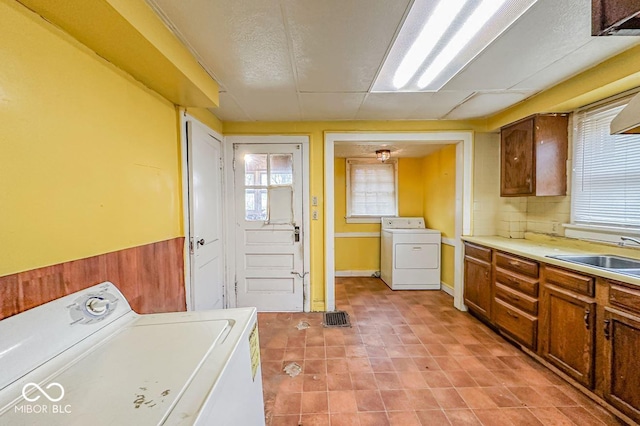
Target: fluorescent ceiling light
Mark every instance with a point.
(438, 39)
(433, 30)
(470, 28)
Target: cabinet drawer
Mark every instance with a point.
(477, 252)
(519, 300)
(517, 264)
(624, 296)
(521, 326)
(517, 282)
(581, 284)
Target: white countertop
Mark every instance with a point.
(538, 247)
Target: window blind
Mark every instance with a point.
(372, 189)
(606, 171)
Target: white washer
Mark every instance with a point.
(409, 254)
(88, 358)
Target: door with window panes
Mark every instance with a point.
(269, 240)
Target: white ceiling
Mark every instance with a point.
(398, 149)
(292, 60)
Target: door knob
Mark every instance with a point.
(200, 242)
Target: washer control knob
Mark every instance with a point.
(97, 305)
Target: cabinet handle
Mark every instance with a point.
(486, 274)
(514, 263)
(512, 315)
(607, 334)
(587, 313)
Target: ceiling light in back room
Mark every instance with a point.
(438, 39)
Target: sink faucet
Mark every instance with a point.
(623, 239)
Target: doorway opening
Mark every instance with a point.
(463, 194)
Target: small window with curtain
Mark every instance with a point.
(371, 190)
(606, 174)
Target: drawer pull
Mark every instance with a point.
(587, 313)
(512, 315)
(607, 334)
(515, 298)
(514, 263)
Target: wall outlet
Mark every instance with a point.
(314, 201)
(314, 215)
(555, 227)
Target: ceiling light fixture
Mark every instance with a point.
(469, 29)
(438, 39)
(431, 33)
(383, 155)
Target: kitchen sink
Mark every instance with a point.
(619, 264)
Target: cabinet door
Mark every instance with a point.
(621, 352)
(517, 159)
(568, 341)
(477, 286)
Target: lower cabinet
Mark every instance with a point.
(622, 349)
(477, 291)
(586, 327)
(477, 278)
(568, 338)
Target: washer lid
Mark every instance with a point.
(135, 377)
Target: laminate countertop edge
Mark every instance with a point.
(540, 250)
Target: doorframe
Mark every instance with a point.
(463, 198)
(186, 191)
(230, 245)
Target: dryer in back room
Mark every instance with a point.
(409, 254)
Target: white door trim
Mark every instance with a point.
(230, 243)
(184, 166)
(463, 197)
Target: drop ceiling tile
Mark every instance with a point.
(410, 106)
(264, 105)
(592, 53)
(549, 31)
(243, 43)
(339, 45)
(330, 106)
(229, 109)
(484, 104)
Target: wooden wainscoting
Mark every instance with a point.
(151, 277)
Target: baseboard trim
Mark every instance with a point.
(446, 289)
(354, 273)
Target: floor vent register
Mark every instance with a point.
(336, 319)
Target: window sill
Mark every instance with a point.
(607, 234)
(376, 219)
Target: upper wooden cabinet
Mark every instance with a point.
(533, 154)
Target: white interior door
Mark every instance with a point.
(205, 202)
(269, 228)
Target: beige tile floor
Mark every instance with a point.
(409, 359)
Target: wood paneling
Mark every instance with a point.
(151, 277)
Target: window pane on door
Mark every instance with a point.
(255, 169)
(281, 169)
(255, 201)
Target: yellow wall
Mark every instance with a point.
(363, 254)
(439, 177)
(89, 158)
